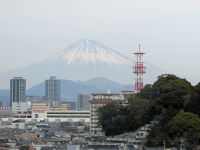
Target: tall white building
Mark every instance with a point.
(53, 91)
(99, 100)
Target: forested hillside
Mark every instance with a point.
(171, 104)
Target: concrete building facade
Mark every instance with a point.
(17, 90)
(83, 102)
(53, 91)
(20, 107)
(99, 100)
(35, 98)
(41, 111)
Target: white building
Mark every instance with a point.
(99, 100)
(69, 115)
(41, 111)
(20, 107)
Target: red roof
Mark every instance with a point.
(27, 135)
(103, 101)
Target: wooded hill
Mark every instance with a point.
(171, 104)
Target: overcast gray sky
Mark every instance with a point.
(168, 30)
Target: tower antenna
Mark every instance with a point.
(139, 70)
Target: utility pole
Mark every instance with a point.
(164, 144)
(181, 148)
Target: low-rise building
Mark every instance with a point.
(27, 136)
(42, 111)
(18, 107)
(39, 110)
(18, 124)
(6, 112)
(127, 95)
(23, 115)
(65, 106)
(69, 115)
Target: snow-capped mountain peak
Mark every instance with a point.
(83, 60)
(89, 51)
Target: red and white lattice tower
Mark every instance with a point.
(139, 70)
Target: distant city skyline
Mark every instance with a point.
(168, 31)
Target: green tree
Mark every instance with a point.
(159, 103)
(116, 119)
(146, 92)
(112, 118)
(169, 94)
(168, 91)
(193, 104)
(168, 83)
(138, 113)
(185, 125)
(197, 88)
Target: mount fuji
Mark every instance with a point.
(89, 52)
(82, 60)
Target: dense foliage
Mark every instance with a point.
(185, 125)
(163, 103)
(111, 118)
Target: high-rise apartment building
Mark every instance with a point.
(52, 91)
(99, 100)
(83, 102)
(17, 90)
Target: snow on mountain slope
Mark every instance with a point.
(82, 60)
(89, 51)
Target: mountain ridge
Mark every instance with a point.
(81, 66)
(70, 89)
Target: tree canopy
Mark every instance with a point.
(185, 125)
(112, 118)
(163, 103)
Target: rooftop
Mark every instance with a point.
(105, 94)
(103, 101)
